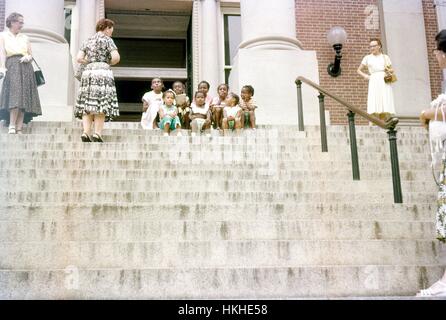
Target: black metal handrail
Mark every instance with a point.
(389, 125)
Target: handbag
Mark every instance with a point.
(79, 71)
(390, 76)
(38, 74)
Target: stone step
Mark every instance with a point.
(142, 214)
(227, 140)
(161, 151)
(342, 211)
(194, 173)
(185, 197)
(143, 150)
(218, 283)
(331, 133)
(123, 137)
(424, 159)
(198, 185)
(285, 128)
(217, 253)
(79, 230)
(230, 161)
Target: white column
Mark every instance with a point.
(270, 59)
(196, 40)
(100, 9)
(441, 18)
(44, 19)
(412, 91)
(87, 23)
(209, 44)
(268, 23)
(74, 33)
(45, 24)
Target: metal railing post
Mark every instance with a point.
(353, 110)
(300, 105)
(353, 145)
(397, 193)
(322, 122)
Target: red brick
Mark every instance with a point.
(2, 15)
(313, 20)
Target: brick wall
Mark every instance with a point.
(430, 18)
(315, 17)
(2, 15)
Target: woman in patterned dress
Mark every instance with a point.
(97, 101)
(429, 116)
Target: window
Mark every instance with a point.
(232, 39)
(68, 13)
(152, 53)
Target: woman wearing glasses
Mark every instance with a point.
(19, 99)
(373, 68)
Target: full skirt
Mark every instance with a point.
(380, 96)
(19, 90)
(97, 92)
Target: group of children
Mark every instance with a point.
(172, 109)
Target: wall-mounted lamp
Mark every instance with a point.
(336, 37)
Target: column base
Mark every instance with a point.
(59, 113)
(56, 95)
(272, 73)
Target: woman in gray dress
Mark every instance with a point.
(97, 101)
(19, 98)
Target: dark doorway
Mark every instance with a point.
(130, 93)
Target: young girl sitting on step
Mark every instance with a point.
(183, 104)
(152, 102)
(217, 105)
(232, 113)
(169, 114)
(248, 107)
(200, 114)
(204, 87)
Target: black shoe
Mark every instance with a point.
(85, 137)
(97, 138)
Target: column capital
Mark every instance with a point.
(44, 19)
(272, 42)
(43, 35)
(275, 30)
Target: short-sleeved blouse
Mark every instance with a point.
(98, 48)
(376, 63)
(15, 44)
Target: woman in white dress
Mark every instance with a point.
(380, 97)
(430, 118)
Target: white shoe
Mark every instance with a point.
(12, 130)
(165, 134)
(179, 134)
(193, 134)
(438, 289)
(208, 135)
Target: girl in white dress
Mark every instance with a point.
(200, 114)
(152, 102)
(380, 97)
(232, 113)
